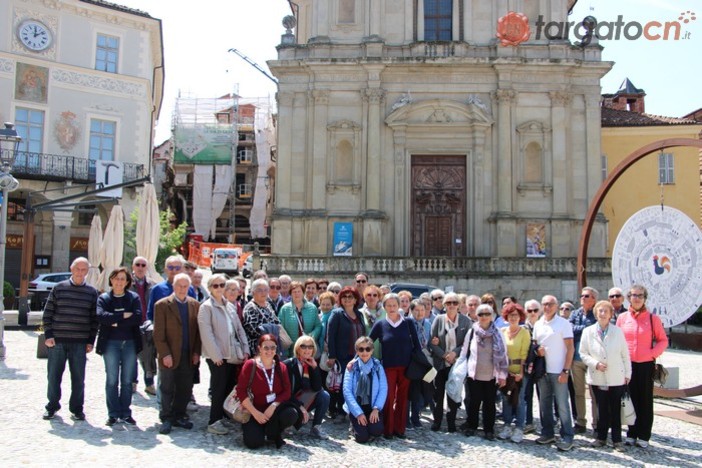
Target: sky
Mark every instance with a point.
(198, 35)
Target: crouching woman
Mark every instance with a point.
(365, 392)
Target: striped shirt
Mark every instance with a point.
(70, 313)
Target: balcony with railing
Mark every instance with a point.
(60, 168)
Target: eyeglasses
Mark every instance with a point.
(361, 349)
(532, 311)
(636, 296)
(566, 308)
(613, 296)
(513, 315)
(484, 314)
(335, 291)
(142, 265)
(361, 281)
(306, 346)
(269, 348)
(277, 288)
(437, 298)
(347, 297)
(585, 296)
(371, 295)
(218, 285)
(174, 267)
(451, 303)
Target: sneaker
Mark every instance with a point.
(166, 427)
(544, 439)
(529, 428)
(505, 433)
(642, 443)
(517, 435)
(48, 414)
(564, 445)
(318, 433)
(619, 447)
(111, 421)
(129, 420)
(630, 441)
(78, 416)
(150, 389)
(184, 423)
(217, 428)
(228, 423)
(578, 429)
(490, 436)
(597, 443)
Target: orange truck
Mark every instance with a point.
(203, 253)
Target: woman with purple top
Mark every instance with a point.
(398, 339)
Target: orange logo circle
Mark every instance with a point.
(513, 29)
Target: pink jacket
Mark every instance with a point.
(637, 332)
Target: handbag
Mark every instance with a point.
(628, 414)
(419, 365)
(335, 378)
(238, 353)
(660, 373)
(306, 397)
(284, 338)
(232, 406)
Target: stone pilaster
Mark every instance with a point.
(317, 170)
(560, 102)
(505, 98)
(375, 98)
(402, 193)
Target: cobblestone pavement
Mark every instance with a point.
(29, 440)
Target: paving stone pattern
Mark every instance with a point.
(27, 440)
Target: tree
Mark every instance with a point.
(170, 238)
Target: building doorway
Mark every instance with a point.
(438, 200)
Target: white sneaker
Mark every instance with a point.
(642, 443)
(529, 428)
(228, 423)
(318, 433)
(505, 433)
(630, 441)
(217, 428)
(517, 435)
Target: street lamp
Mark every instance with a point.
(9, 144)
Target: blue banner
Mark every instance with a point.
(343, 239)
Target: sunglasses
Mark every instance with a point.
(361, 281)
(439, 298)
(142, 265)
(451, 302)
(218, 285)
(361, 349)
(613, 296)
(335, 291)
(174, 267)
(275, 287)
(347, 297)
(532, 311)
(566, 308)
(269, 348)
(484, 314)
(306, 346)
(585, 295)
(371, 295)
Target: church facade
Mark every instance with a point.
(412, 121)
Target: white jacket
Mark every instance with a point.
(613, 351)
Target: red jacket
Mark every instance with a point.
(638, 333)
(259, 386)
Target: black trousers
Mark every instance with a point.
(641, 391)
(222, 381)
(255, 434)
(363, 433)
(482, 392)
(609, 410)
(176, 385)
(438, 397)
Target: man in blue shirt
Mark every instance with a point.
(173, 266)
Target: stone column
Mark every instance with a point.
(506, 222)
(60, 250)
(559, 115)
(375, 97)
(401, 203)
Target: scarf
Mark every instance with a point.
(372, 315)
(499, 352)
(363, 385)
(450, 328)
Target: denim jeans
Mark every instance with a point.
(120, 364)
(509, 412)
(550, 389)
(320, 406)
(527, 395)
(75, 354)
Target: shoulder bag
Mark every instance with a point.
(660, 373)
(232, 405)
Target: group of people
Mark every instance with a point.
(298, 352)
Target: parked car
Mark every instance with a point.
(416, 289)
(47, 281)
(247, 270)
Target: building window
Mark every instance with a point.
(102, 140)
(533, 164)
(603, 166)
(29, 124)
(438, 20)
(666, 169)
(244, 156)
(107, 53)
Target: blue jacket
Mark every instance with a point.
(379, 386)
(339, 335)
(580, 320)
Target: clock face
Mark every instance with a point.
(34, 35)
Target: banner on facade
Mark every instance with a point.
(536, 240)
(343, 239)
(204, 144)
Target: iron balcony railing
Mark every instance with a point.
(60, 168)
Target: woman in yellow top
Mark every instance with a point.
(517, 341)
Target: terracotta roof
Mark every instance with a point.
(114, 6)
(622, 118)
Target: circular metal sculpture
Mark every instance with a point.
(661, 248)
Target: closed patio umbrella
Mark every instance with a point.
(94, 244)
(148, 230)
(112, 246)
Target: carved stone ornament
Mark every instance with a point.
(560, 98)
(403, 101)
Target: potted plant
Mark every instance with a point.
(8, 294)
